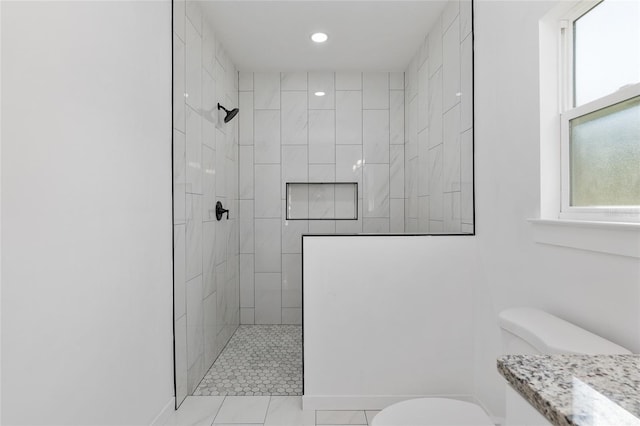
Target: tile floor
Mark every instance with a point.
(259, 360)
(259, 410)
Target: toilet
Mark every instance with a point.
(524, 331)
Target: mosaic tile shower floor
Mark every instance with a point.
(258, 360)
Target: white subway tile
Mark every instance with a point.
(194, 14)
(375, 90)
(221, 164)
(466, 173)
(210, 306)
(180, 333)
(208, 49)
(179, 16)
(179, 177)
(423, 163)
(348, 117)
(396, 117)
(194, 152)
(294, 118)
(322, 173)
(247, 316)
(376, 190)
(466, 85)
(291, 280)
(396, 224)
(322, 226)
(267, 137)
(245, 81)
(423, 96)
(435, 47)
(321, 201)
(266, 89)
(292, 231)
(194, 236)
(193, 67)
(321, 82)
(246, 172)
(396, 81)
(451, 163)
(292, 316)
(348, 80)
(436, 184)
(179, 84)
(294, 165)
(375, 225)
(246, 281)
(452, 212)
(246, 226)
(293, 81)
(179, 270)
(208, 184)
(396, 171)
(268, 298)
(245, 117)
(435, 109)
(465, 18)
(376, 136)
(267, 191)
(268, 245)
(321, 136)
(423, 214)
(349, 164)
(451, 66)
(195, 343)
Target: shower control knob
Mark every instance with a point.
(220, 211)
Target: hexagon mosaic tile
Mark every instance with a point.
(258, 360)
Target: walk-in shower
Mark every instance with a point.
(383, 151)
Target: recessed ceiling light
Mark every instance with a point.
(319, 93)
(319, 37)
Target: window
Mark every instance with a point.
(600, 112)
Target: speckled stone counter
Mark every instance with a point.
(578, 389)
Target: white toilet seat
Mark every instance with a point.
(432, 412)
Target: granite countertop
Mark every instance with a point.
(578, 389)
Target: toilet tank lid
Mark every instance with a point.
(552, 335)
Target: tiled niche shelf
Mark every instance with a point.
(322, 200)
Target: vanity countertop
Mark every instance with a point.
(578, 390)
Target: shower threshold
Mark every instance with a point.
(258, 360)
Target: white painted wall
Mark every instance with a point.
(386, 317)
(86, 212)
(599, 292)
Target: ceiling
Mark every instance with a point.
(363, 35)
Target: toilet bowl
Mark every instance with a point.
(524, 330)
(432, 412)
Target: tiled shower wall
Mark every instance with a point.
(355, 133)
(439, 123)
(205, 161)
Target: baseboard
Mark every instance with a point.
(162, 417)
(365, 402)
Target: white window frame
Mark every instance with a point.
(568, 112)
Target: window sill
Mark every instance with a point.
(621, 239)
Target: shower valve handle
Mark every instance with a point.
(220, 211)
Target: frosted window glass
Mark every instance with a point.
(606, 49)
(605, 156)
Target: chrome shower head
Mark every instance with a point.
(230, 114)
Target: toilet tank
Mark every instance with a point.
(532, 331)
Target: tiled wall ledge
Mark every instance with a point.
(622, 239)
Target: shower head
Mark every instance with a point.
(230, 114)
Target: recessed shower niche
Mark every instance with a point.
(386, 150)
(321, 201)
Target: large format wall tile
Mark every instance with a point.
(266, 89)
(205, 154)
(348, 117)
(306, 138)
(294, 118)
(268, 298)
